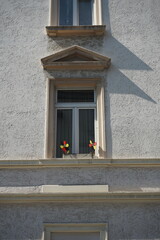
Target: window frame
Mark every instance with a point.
(50, 228)
(50, 130)
(76, 106)
(96, 14)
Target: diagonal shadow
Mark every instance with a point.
(118, 83)
(123, 85)
(121, 56)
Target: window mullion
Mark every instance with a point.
(76, 130)
(73, 130)
(75, 13)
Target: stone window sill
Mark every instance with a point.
(58, 31)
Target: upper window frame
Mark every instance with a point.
(97, 27)
(96, 14)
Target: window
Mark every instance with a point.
(71, 100)
(76, 119)
(75, 113)
(75, 12)
(83, 231)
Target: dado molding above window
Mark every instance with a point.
(75, 17)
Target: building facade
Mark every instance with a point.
(84, 72)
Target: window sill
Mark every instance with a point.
(58, 31)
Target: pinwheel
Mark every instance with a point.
(65, 147)
(92, 145)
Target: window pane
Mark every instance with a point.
(75, 96)
(86, 129)
(85, 12)
(64, 129)
(66, 12)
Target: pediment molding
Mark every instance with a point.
(76, 58)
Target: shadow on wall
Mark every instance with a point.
(120, 85)
(122, 58)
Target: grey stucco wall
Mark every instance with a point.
(125, 221)
(132, 103)
(117, 178)
(132, 83)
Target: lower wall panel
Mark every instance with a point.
(127, 221)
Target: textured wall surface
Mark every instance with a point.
(132, 83)
(132, 105)
(116, 178)
(127, 222)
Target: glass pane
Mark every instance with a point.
(64, 129)
(85, 12)
(75, 96)
(86, 129)
(66, 12)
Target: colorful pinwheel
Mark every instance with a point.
(92, 145)
(65, 147)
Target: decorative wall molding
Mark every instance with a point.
(65, 31)
(101, 162)
(76, 58)
(146, 197)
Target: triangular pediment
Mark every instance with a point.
(74, 58)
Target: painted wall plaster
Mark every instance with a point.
(132, 82)
(125, 221)
(132, 116)
(117, 178)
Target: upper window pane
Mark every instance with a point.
(66, 12)
(85, 12)
(75, 96)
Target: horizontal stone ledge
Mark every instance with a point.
(58, 31)
(92, 197)
(99, 162)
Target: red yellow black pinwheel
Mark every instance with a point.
(65, 147)
(92, 145)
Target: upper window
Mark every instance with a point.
(75, 12)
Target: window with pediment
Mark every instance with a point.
(75, 106)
